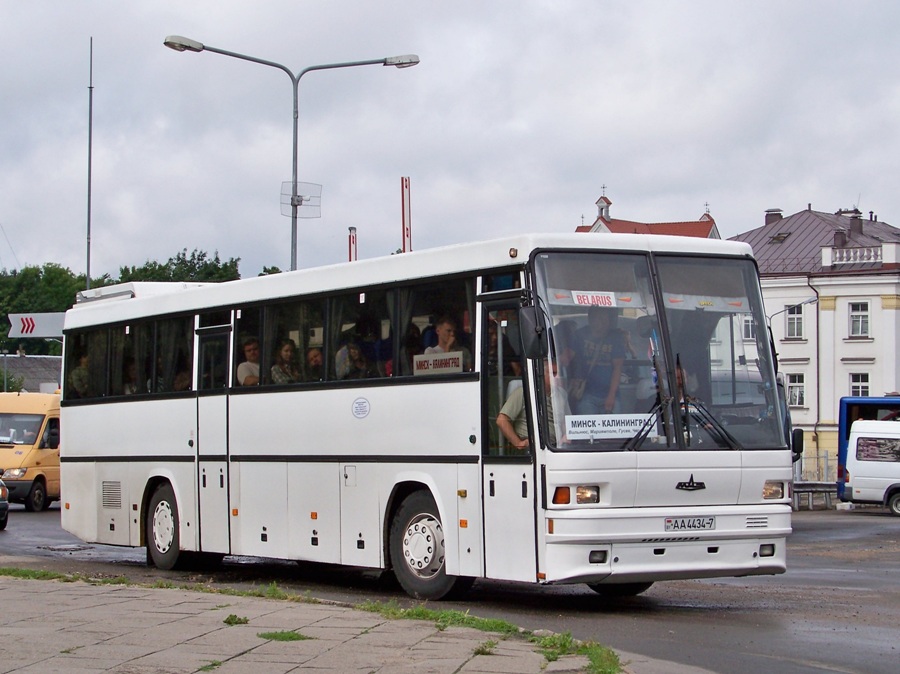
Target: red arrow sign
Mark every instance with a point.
(27, 325)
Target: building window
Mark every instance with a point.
(859, 319)
(859, 384)
(796, 390)
(794, 322)
(749, 332)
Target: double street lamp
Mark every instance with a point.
(179, 43)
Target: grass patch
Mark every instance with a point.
(232, 619)
(215, 664)
(441, 619)
(283, 636)
(486, 647)
(30, 574)
(602, 660)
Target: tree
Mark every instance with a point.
(47, 289)
(196, 268)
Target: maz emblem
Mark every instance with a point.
(690, 485)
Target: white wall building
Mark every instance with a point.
(831, 285)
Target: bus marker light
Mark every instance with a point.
(549, 526)
(234, 512)
(464, 524)
(767, 550)
(462, 493)
(67, 505)
(541, 575)
(561, 496)
(314, 515)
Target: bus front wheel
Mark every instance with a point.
(162, 528)
(894, 504)
(619, 589)
(417, 550)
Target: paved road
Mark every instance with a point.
(836, 610)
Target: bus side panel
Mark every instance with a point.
(314, 515)
(361, 543)
(119, 482)
(261, 525)
(78, 511)
(471, 560)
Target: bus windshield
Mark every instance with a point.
(624, 375)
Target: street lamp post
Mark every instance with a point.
(179, 43)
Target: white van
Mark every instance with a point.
(873, 464)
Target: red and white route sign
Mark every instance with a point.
(36, 325)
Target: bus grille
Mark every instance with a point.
(758, 522)
(112, 495)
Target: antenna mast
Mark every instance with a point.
(90, 143)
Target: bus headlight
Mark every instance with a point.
(13, 473)
(587, 494)
(773, 490)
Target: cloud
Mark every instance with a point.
(517, 115)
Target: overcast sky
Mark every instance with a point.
(518, 114)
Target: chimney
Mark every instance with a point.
(773, 215)
(856, 222)
(840, 238)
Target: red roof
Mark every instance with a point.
(704, 228)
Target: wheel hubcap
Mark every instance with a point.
(423, 546)
(163, 527)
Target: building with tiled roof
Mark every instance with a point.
(704, 228)
(831, 286)
(39, 374)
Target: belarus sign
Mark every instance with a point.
(36, 325)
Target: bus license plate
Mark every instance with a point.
(690, 523)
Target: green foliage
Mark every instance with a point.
(196, 267)
(266, 271)
(51, 288)
(232, 619)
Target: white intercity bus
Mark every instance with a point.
(348, 414)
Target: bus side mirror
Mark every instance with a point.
(797, 444)
(533, 333)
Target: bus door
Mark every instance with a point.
(508, 483)
(213, 349)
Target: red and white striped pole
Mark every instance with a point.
(406, 215)
(352, 244)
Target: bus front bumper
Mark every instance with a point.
(594, 546)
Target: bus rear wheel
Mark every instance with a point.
(162, 528)
(894, 504)
(619, 589)
(417, 550)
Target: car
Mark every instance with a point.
(4, 505)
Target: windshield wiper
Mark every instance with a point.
(638, 438)
(699, 411)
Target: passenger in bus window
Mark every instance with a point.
(248, 371)
(360, 366)
(129, 377)
(600, 352)
(78, 379)
(284, 371)
(513, 422)
(445, 329)
(314, 362)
